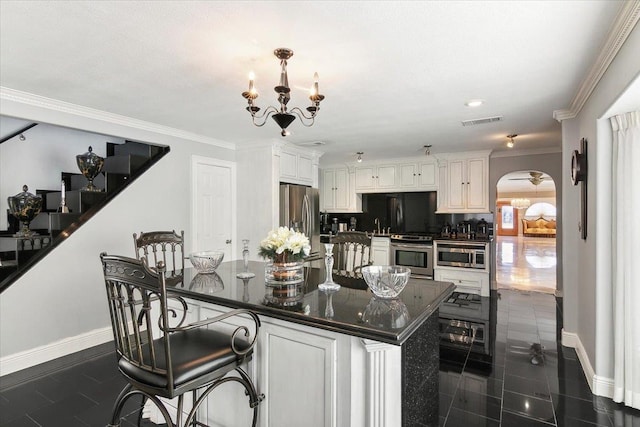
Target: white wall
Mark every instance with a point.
(258, 172)
(63, 296)
(587, 303)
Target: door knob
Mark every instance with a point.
(228, 241)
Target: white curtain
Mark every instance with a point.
(626, 257)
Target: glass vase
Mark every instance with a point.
(284, 274)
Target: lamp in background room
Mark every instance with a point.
(359, 159)
(510, 142)
(427, 151)
(282, 116)
(520, 203)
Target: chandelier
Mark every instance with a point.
(281, 115)
(520, 203)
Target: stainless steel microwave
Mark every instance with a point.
(462, 255)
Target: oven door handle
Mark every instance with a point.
(411, 246)
(456, 250)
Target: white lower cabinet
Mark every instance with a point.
(381, 250)
(466, 280)
(298, 374)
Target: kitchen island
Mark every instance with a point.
(338, 359)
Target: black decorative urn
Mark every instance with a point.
(90, 165)
(25, 206)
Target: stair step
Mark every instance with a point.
(40, 222)
(124, 164)
(44, 193)
(77, 181)
(60, 221)
(77, 201)
(133, 148)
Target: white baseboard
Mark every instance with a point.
(603, 386)
(600, 386)
(35, 356)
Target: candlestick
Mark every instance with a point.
(63, 205)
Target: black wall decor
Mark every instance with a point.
(579, 169)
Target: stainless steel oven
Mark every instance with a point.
(415, 254)
(462, 254)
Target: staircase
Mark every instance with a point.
(123, 164)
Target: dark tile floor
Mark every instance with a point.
(507, 390)
(531, 379)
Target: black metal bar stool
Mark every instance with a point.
(159, 355)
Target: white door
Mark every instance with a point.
(213, 205)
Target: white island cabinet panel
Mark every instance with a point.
(298, 373)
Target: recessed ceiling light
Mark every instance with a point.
(474, 103)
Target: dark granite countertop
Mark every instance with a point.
(349, 311)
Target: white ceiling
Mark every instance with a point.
(395, 74)
(518, 182)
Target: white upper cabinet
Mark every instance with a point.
(418, 176)
(401, 176)
(370, 179)
(428, 175)
(467, 184)
(336, 191)
(298, 167)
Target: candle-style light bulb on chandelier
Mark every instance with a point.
(282, 116)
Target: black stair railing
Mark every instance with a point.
(124, 163)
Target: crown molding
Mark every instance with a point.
(30, 99)
(526, 152)
(625, 22)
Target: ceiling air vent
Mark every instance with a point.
(482, 121)
(311, 143)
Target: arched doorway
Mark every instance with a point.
(525, 234)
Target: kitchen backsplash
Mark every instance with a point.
(402, 213)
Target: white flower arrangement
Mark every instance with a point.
(285, 245)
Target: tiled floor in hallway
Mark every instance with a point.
(520, 385)
(526, 263)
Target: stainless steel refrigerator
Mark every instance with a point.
(300, 210)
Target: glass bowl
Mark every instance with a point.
(386, 281)
(207, 261)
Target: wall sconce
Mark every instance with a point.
(359, 159)
(427, 151)
(510, 143)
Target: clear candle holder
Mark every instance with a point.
(328, 284)
(246, 274)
